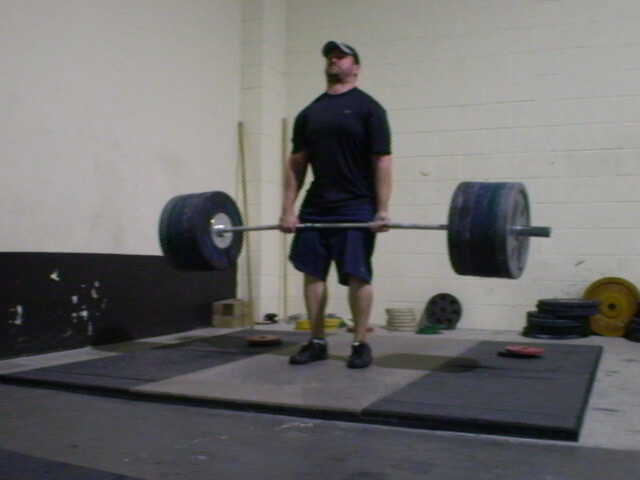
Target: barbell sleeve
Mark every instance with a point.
(521, 231)
(531, 231)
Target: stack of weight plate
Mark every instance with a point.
(633, 330)
(401, 319)
(560, 318)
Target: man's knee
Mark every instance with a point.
(355, 281)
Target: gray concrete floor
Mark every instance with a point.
(156, 441)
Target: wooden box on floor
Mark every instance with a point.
(232, 313)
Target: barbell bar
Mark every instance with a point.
(488, 230)
(221, 229)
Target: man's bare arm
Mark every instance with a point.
(295, 171)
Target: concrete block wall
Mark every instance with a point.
(109, 109)
(542, 92)
(263, 109)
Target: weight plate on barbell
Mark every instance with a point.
(186, 236)
(618, 304)
(512, 209)
(479, 232)
(459, 228)
(177, 237)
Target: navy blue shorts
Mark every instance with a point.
(313, 251)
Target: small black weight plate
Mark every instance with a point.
(557, 316)
(555, 323)
(568, 303)
(633, 337)
(444, 311)
(633, 329)
(543, 336)
(556, 332)
(556, 326)
(539, 315)
(558, 329)
(185, 232)
(571, 313)
(568, 307)
(634, 321)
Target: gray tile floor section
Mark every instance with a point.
(269, 379)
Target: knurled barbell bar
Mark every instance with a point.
(488, 230)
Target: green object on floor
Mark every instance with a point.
(429, 330)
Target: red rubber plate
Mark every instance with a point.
(524, 350)
(263, 340)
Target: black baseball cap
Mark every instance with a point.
(343, 47)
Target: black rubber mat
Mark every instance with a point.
(476, 390)
(119, 373)
(17, 466)
(483, 392)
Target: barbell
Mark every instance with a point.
(488, 230)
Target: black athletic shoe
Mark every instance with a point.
(360, 355)
(312, 351)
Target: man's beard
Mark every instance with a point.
(333, 77)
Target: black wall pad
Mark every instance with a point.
(60, 301)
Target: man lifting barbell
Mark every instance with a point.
(344, 136)
(488, 225)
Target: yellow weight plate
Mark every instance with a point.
(618, 303)
(329, 324)
(303, 324)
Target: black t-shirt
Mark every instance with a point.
(340, 133)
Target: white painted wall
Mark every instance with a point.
(543, 92)
(108, 109)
